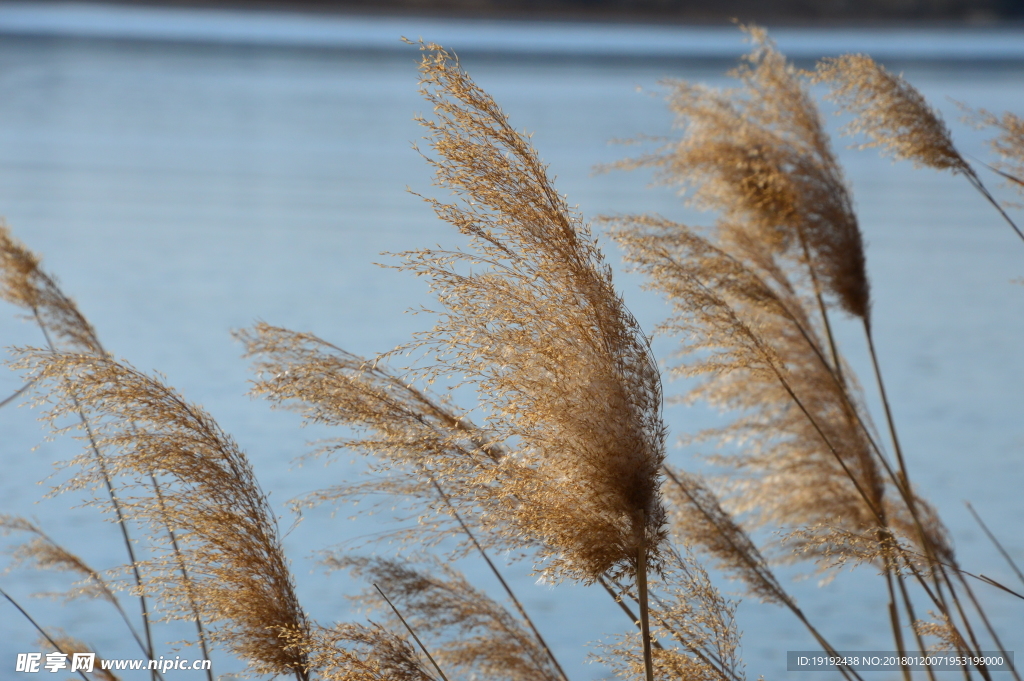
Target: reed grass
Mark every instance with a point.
(564, 466)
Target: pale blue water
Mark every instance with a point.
(186, 173)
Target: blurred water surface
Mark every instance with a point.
(185, 182)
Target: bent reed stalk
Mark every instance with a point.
(563, 464)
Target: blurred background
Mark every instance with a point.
(189, 168)
(674, 11)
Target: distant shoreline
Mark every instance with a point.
(525, 36)
(789, 13)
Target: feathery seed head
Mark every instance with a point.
(355, 652)
(890, 112)
(465, 630)
(22, 283)
(760, 157)
(531, 318)
(806, 453)
(43, 552)
(238, 576)
(1008, 143)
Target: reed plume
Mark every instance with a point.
(1008, 143)
(694, 623)
(562, 367)
(897, 119)
(356, 652)
(467, 632)
(811, 404)
(760, 157)
(416, 438)
(698, 519)
(227, 534)
(890, 112)
(24, 284)
(69, 645)
(531, 319)
(807, 460)
(946, 635)
(570, 392)
(42, 552)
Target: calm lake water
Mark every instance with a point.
(187, 173)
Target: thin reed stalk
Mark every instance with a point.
(411, 632)
(44, 553)
(38, 628)
(115, 503)
(13, 396)
(909, 608)
(995, 542)
(934, 563)
(504, 585)
(201, 634)
(976, 182)
(643, 601)
(988, 624)
(894, 621)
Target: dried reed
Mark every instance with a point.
(787, 234)
(567, 466)
(561, 367)
(808, 460)
(759, 156)
(897, 119)
(24, 284)
(42, 552)
(571, 394)
(467, 632)
(227, 533)
(64, 327)
(1008, 144)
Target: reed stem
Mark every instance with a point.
(975, 181)
(184, 576)
(641, 587)
(411, 632)
(508, 590)
(894, 621)
(626, 609)
(988, 625)
(13, 396)
(101, 462)
(38, 628)
(836, 366)
(992, 538)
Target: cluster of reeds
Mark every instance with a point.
(566, 466)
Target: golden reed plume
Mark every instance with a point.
(226, 532)
(530, 318)
(24, 284)
(760, 157)
(468, 633)
(565, 461)
(890, 112)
